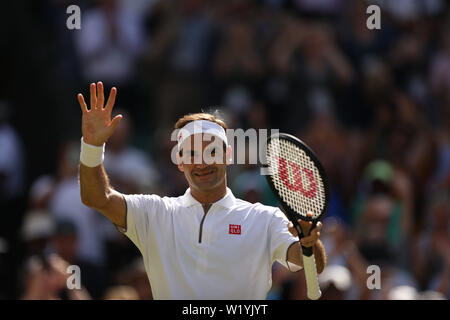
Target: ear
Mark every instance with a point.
(179, 163)
(229, 159)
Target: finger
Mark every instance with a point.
(315, 235)
(82, 103)
(305, 225)
(115, 122)
(100, 95)
(292, 230)
(307, 243)
(319, 226)
(93, 96)
(316, 230)
(111, 99)
(310, 238)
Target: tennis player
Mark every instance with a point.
(205, 244)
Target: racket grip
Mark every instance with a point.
(312, 282)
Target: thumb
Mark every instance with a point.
(115, 122)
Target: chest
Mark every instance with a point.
(218, 231)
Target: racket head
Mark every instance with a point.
(299, 180)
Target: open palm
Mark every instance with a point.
(97, 125)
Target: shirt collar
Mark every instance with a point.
(227, 201)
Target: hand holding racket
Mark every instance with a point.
(307, 229)
(299, 182)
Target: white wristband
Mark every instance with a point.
(91, 156)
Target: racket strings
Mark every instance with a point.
(296, 177)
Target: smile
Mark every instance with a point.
(204, 174)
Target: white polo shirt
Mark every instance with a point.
(226, 254)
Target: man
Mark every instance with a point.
(205, 244)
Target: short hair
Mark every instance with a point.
(199, 116)
(213, 117)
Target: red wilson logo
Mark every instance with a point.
(235, 229)
(298, 185)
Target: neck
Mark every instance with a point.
(209, 196)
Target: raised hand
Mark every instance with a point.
(97, 125)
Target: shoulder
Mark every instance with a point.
(150, 201)
(258, 208)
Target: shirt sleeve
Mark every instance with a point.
(142, 211)
(281, 239)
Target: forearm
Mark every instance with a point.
(94, 186)
(320, 256)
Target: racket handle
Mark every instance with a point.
(312, 282)
(309, 265)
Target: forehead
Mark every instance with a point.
(200, 141)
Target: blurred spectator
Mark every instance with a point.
(46, 279)
(335, 281)
(121, 293)
(177, 63)
(403, 293)
(320, 7)
(237, 59)
(134, 276)
(12, 173)
(410, 10)
(12, 192)
(440, 67)
(109, 42)
(326, 137)
(37, 230)
(11, 158)
(251, 186)
(60, 195)
(431, 295)
(432, 255)
(65, 242)
(129, 169)
(441, 178)
(382, 214)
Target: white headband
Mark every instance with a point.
(201, 126)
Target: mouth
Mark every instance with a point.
(204, 173)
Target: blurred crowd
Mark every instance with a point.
(374, 105)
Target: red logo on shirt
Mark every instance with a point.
(235, 229)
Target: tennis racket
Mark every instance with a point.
(300, 184)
